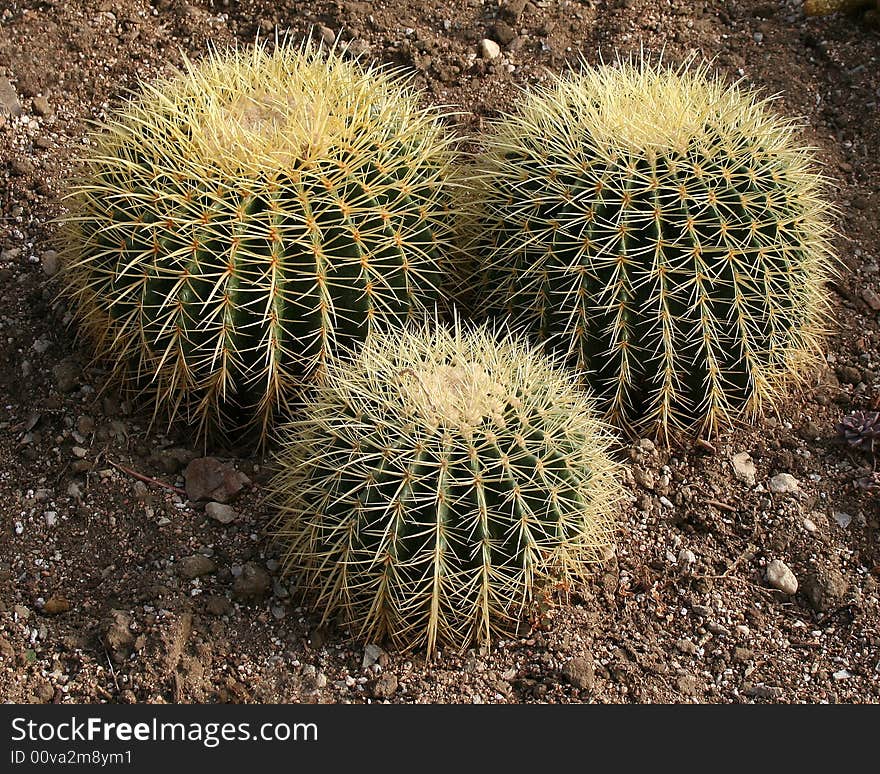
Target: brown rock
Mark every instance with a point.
(383, 687)
(50, 263)
(67, 375)
(195, 566)
(502, 32)
(824, 589)
(42, 106)
(225, 514)
(21, 167)
(849, 375)
(253, 583)
(43, 691)
(174, 459)
(512, 9)
(6, 649)
(207, 478)
(117, 634)
(687, 684)
(579, 672)
(56, 605)
(216, 605)
(9, 104)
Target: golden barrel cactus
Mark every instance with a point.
(436, 481)
(665, 231)
(237, 222)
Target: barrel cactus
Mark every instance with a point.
(664, 230)
(825, 7)
(239, 220)
(436, 481)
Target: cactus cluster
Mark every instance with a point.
(666, 232)
(436, 479)
(240, 220)
(275, 219)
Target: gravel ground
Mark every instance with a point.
(746, 569)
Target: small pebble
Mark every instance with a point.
(41, 106)
(372, 654)
(327, 35)
(56, 605)
(783, 483)
(50, 263)
(9, 104)
(252, 583)
(225, 514)
(744, 468)
(842, 518)
(195, 566)
(383, 687)
(780, 577)
(489, 49)
(871, 299)
(686, 559)
(579, 672)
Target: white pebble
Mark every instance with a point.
(781, 577)
(783, 483)
(744, 468)
(489, 49)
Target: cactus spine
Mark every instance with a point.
(242, 219)
(666, 232)
(434, 481)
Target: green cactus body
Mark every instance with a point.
(666, 233)
(239, 221)
(436, 480)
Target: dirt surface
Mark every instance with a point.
(113, 589)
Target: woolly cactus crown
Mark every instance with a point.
(666, 231)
